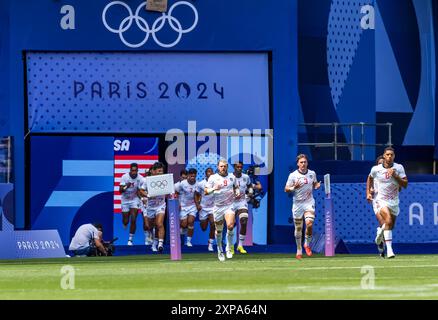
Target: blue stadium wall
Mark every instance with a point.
(247, 26)
(371, 61)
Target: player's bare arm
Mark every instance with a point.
(125, 187)
(208, 191)
(236, 190)
(143, 195)
(197, 197)
(403, 182)
(317, 185)
(295, 186)
(370, 183)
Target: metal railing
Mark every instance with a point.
(352, 144)
(5, 159)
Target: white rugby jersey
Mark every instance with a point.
(136, 183)
(225, 195)
(244, 182)
(305, 192)
(186, 192)
(387, 187)
(207, 201)
(153, 202)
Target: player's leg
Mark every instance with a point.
(298, 215)
(182, 222)
(298, 233)
(388, 216)
(230, 220)
(309, 218)
(203, 223)
(243, 220)
(133, 212)
(159, 220)
(219, 227)
(380, 229)
(147, 229)
(380, 216)
(190, 228)
(212, 232)
(151, 222)
(183, 225)
(125, 217)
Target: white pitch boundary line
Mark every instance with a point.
(297, 289)
(377, 267)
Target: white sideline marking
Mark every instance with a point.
(291, 289)
(377, 267)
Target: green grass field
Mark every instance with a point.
(202, 276)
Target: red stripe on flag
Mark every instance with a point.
(135, 157)
(128, 166)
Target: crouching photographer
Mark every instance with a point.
(87, 241)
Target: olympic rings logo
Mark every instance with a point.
(143, 25)
(159, 184)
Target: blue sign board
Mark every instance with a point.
(31, 244)
(146, 92)
(355, 221)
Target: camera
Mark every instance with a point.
(109, 246)
(254, 198)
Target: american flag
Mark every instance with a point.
(121, 166)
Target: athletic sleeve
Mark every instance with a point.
(197, 187)
(123, 180)
(290, 181)
(144, 185)
(200, 187)
(316, 176)
(210, 182)
(401, 171)
(373, 172)
(141, 181)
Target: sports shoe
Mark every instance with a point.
(299, 256)
(390, 255)
(232, 249)
(130, 243)
(160, 248)
(241, 249)
(229, 254)
(381, 248)
(379, 235)
(308, 250)
(221, 256)
(154, 248)
(149, 240)
(210, 247)
(189, 244)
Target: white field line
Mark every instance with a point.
(290, 289)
